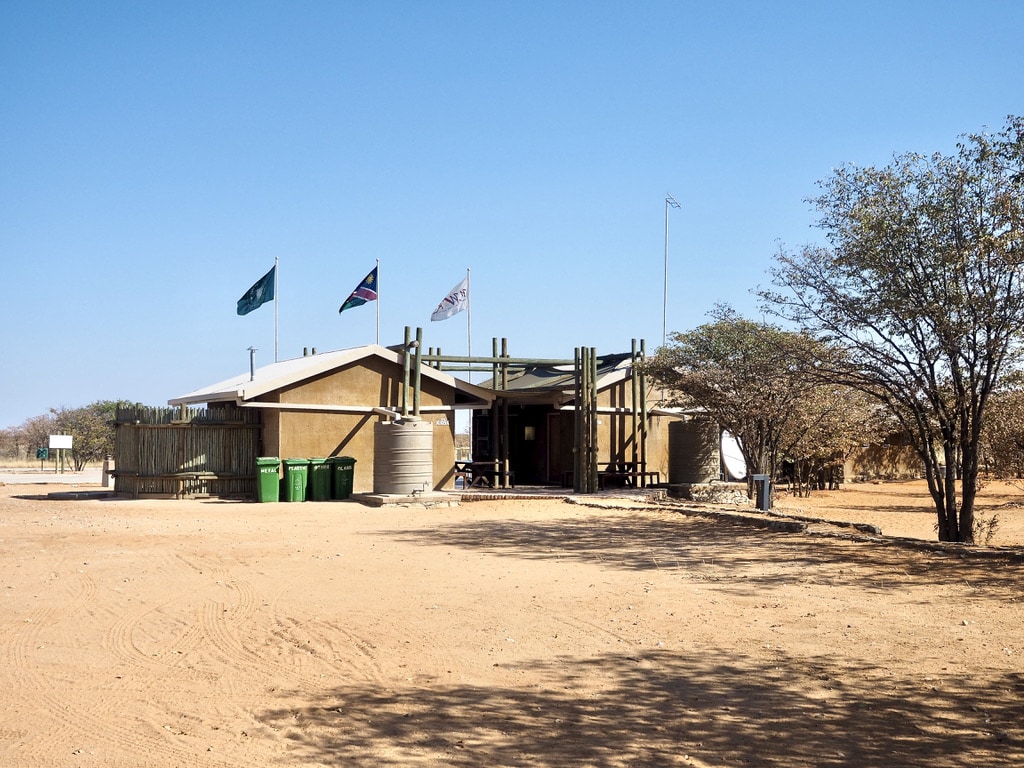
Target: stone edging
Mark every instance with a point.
(774, 521)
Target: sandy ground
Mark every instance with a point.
(500, 633)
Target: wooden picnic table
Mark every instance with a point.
(477, 474)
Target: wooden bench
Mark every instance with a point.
(628, 476)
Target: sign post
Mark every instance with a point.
(60, 443)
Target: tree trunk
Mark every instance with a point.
(969, 491)
(949, 521)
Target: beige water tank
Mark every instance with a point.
(403, 456)
(693, 452)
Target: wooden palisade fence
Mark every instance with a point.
(186, 452)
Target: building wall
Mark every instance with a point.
(541, 437)
(890, 461)
(371, 382)
(615, 431)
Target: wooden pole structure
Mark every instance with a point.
(635, 392)
(585, 408)
(495, 444)
(406, 370)
(643, 415)
(593, 421)
(577, 417)
(586, 480)
(505, 436)
(417, 377)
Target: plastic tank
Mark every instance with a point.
(693, 452)
(403, 456)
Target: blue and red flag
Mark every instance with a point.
(364, 292)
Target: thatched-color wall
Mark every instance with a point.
(890, 461)
(615, 432)
(372, 382)
(185, 452)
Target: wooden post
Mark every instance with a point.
(417, 377)
(505, 436)
(577, 418)
(643, 415)
(406, 369)
(594, 446)
(635, 392)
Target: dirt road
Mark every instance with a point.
(511, 633)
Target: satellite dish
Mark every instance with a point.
(732, 457)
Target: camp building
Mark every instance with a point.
(577, 423)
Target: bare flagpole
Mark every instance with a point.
(276, 302)
(377, 288)
(469, 325)
(669, 201)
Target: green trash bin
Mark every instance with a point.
(268, 479)
(319, 480)
(296, 479)
(343, 470)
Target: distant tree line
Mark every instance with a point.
(91, 428)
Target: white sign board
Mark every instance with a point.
(60, 441)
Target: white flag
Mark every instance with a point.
(456, 301)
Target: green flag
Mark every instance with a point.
(261, 292)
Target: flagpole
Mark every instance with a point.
(276, 300)
(469, 325)
(377, 287)
(669, 202)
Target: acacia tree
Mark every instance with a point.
(34, 433)
(831, 423)
(92, 428)
(749, 376)
(923, 287)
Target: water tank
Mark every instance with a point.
(403, 456)
(693, 453)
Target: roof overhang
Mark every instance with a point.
(247, 389)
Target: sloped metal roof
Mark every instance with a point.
(246, 387)
(557, 383)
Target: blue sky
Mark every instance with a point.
(155, 158)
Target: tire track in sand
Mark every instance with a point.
(65, 721)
